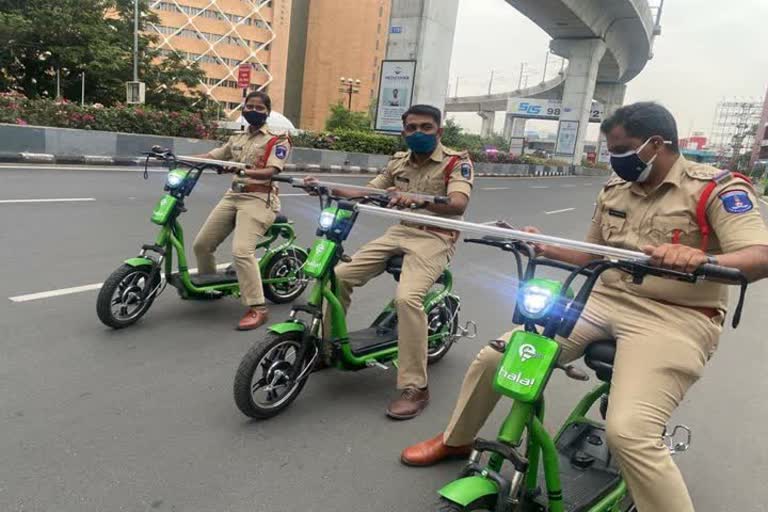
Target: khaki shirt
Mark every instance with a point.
(628, 217)
(429, 178)
(248, 148)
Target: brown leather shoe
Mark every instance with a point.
(432, 451)
(253, 319)
(410, 404)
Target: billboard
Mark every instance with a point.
(531, 108)
(567, 132)
(395, 94)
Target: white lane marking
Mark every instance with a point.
(588, 184)
(495, 188)
(539, 186)
(559, 211)
(49, 200)
(568, 186)
(77, 289)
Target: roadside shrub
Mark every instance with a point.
(15, 109)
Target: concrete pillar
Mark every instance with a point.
(488, 119)
(422, 30)
(513, 126)
(518, 127)
(611, 95)
(583, 60)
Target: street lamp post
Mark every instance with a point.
(349, 87)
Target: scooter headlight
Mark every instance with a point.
(175, 179)
(536, 297)
(326, 220)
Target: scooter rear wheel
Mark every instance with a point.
(262, 388)
(283, 265)
(442, 318)
(121, 300)
(480, 504)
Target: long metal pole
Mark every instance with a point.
(82, 90)
(485, 229)
(546, 61)
(490, 83)
(456, 91)
(349, 101)
(58, 82)
(135, 40)
(520, 82)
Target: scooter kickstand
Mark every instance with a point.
(373, 363)
(469, 330)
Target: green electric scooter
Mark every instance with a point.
(524, 468)
(130, 290)
(273, 372)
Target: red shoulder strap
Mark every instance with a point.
(701, 207)
(268, 151)
(449, 168)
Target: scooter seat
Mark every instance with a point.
(280, 219)
(599, 356)
(395, 267)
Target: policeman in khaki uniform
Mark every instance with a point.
(249, 207)
(427, 168)
(666, 330)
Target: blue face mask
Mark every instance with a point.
(420, 142)
(630, 167)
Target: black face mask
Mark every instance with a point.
(255, 119)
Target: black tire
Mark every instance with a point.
(442, 316)
(282, 264)
(257, 358)
(485, 503)
(123, 288)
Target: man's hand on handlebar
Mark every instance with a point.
(399, 199)
(541, 249)
(676, 257)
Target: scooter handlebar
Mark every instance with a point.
(713, 272)
(283, 179)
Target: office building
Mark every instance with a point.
(222, 34)
(331, 39)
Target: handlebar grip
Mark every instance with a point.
(441, 200)
(719, 273)
(283, 179)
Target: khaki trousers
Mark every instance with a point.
(250, 217)
(661, 351)
(426, 254)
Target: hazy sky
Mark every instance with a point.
(708, 49)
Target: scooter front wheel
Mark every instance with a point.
(263, 387)
(126, 295)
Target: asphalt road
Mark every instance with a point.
(143, 419)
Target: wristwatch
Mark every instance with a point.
(241, 173)
(711, 260)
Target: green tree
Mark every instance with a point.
(37, 37)
(343, 119)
